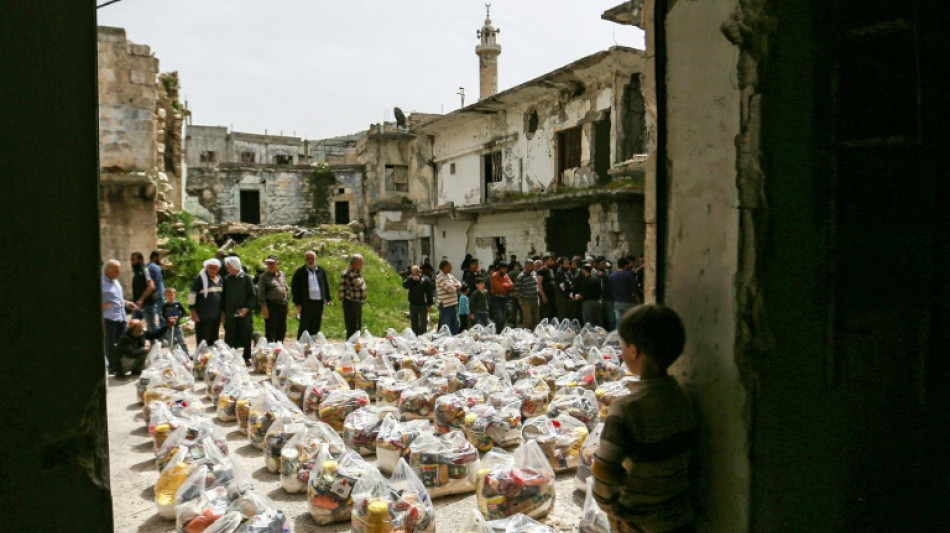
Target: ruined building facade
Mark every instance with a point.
(140, 149)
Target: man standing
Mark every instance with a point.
(602, 270)
(273, 292)
(448, 288)
(238, 298)
(563, 289)
(470, 273)
(153, 312)
(113, 311)
(501, 287)
(352, 291)
(310, 290)
(588, 291)
(420, 299)
(204, 300)
(548, 288)
(526, 289)
(143, 288)
(623, 288)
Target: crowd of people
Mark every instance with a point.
(510, 293)
(223, 293)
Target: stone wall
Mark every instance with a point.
(284, 192)
(524, 233)
(617, 229)
(127, 219)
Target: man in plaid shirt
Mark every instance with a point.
(352, 292)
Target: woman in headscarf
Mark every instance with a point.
(204, 300)
(238, 300)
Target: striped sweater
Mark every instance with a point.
(640, 469)
(447, 287)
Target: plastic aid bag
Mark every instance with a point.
(606, 363)
(418, 400)
(228, 374)
(230, 395)
(372, 504)
(610, 391)
(519, 523)
(362, 426)
(260, 514)
(265, 409)
(368, 372)
(389, 389)
(509, 484)
(560, 439)
(166, 417)
(202, 355)
(579, 403)
(187, 436)
(331, 483)
(445, 464)
(588, 449)
(179, 469)
(244, 398)
(283, 428)
(299, 453)
(593, 518)
(262, 356)
(205, 511)
(339, 404)
(487, 426)
(584, 377)
(412, 511)
(535, 396)
(394, 438)
(297, 384)
(450, 409)
(320, 388)
(474, 522)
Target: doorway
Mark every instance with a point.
(251, 207)
(397, 254)
(568, 231)
(341, 212)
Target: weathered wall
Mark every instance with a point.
(54, 475)
(284, 191)
(349, 180)
(524, 232)
(452, 239)
(127, 219)
(201, 139)
(616, 229)
(703, 251)
(127, 102)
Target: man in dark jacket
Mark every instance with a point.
(131, 344)
(420, 299)
(310, 289)
(238, 298)
(204, 300)
(273, 292)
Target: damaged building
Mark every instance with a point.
(266, 179)
(140, 145)
(551, 165)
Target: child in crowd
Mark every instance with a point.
(466, 317)
(478, 302)
(174, 308)
(640, 469)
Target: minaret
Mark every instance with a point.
(488, 52)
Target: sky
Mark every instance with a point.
(322, 68)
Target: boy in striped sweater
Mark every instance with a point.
(640, 470)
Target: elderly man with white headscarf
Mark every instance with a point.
(204, 300)
(240, 296)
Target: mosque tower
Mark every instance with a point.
(488, 52)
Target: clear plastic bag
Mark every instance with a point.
(202, 355)
(207, 512)
(474, 522)
(389, 389)
(362, 426)
(245, 397)
(186, 436)
(450, 409)
(610, 391)
(372, 504)
(519, 523)
(260, 513)
(584, 377)
(368, 372)
(297, 384)
(588, 449)
(394, 438)
(446, 464)
(320, 388)
(230, 395)
(418, 400)
(535, 396)
(560, 439)
(339, 404)
(489, 425)
(331, 484)
(180, 468)
(606, 363)
(280, 431)
(265, 409)
(412, 510)
(509, 484)
(227, 374)
(593, 518)
(579, 403)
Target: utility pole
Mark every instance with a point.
(461, 93)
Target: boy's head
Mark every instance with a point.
(170, 294)
(653, 331)
(464, 288)
(480, 283)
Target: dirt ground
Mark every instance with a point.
(133, 475)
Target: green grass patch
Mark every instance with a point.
(386, 303)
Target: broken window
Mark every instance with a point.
(209, 156)
(397, 178)
(247, 157)
(452, 169)
(425, 246)
(491, 171)
(531, 122)
(341, 191)
(568, 149)
(281, 159)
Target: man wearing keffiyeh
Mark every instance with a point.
(204, 300)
